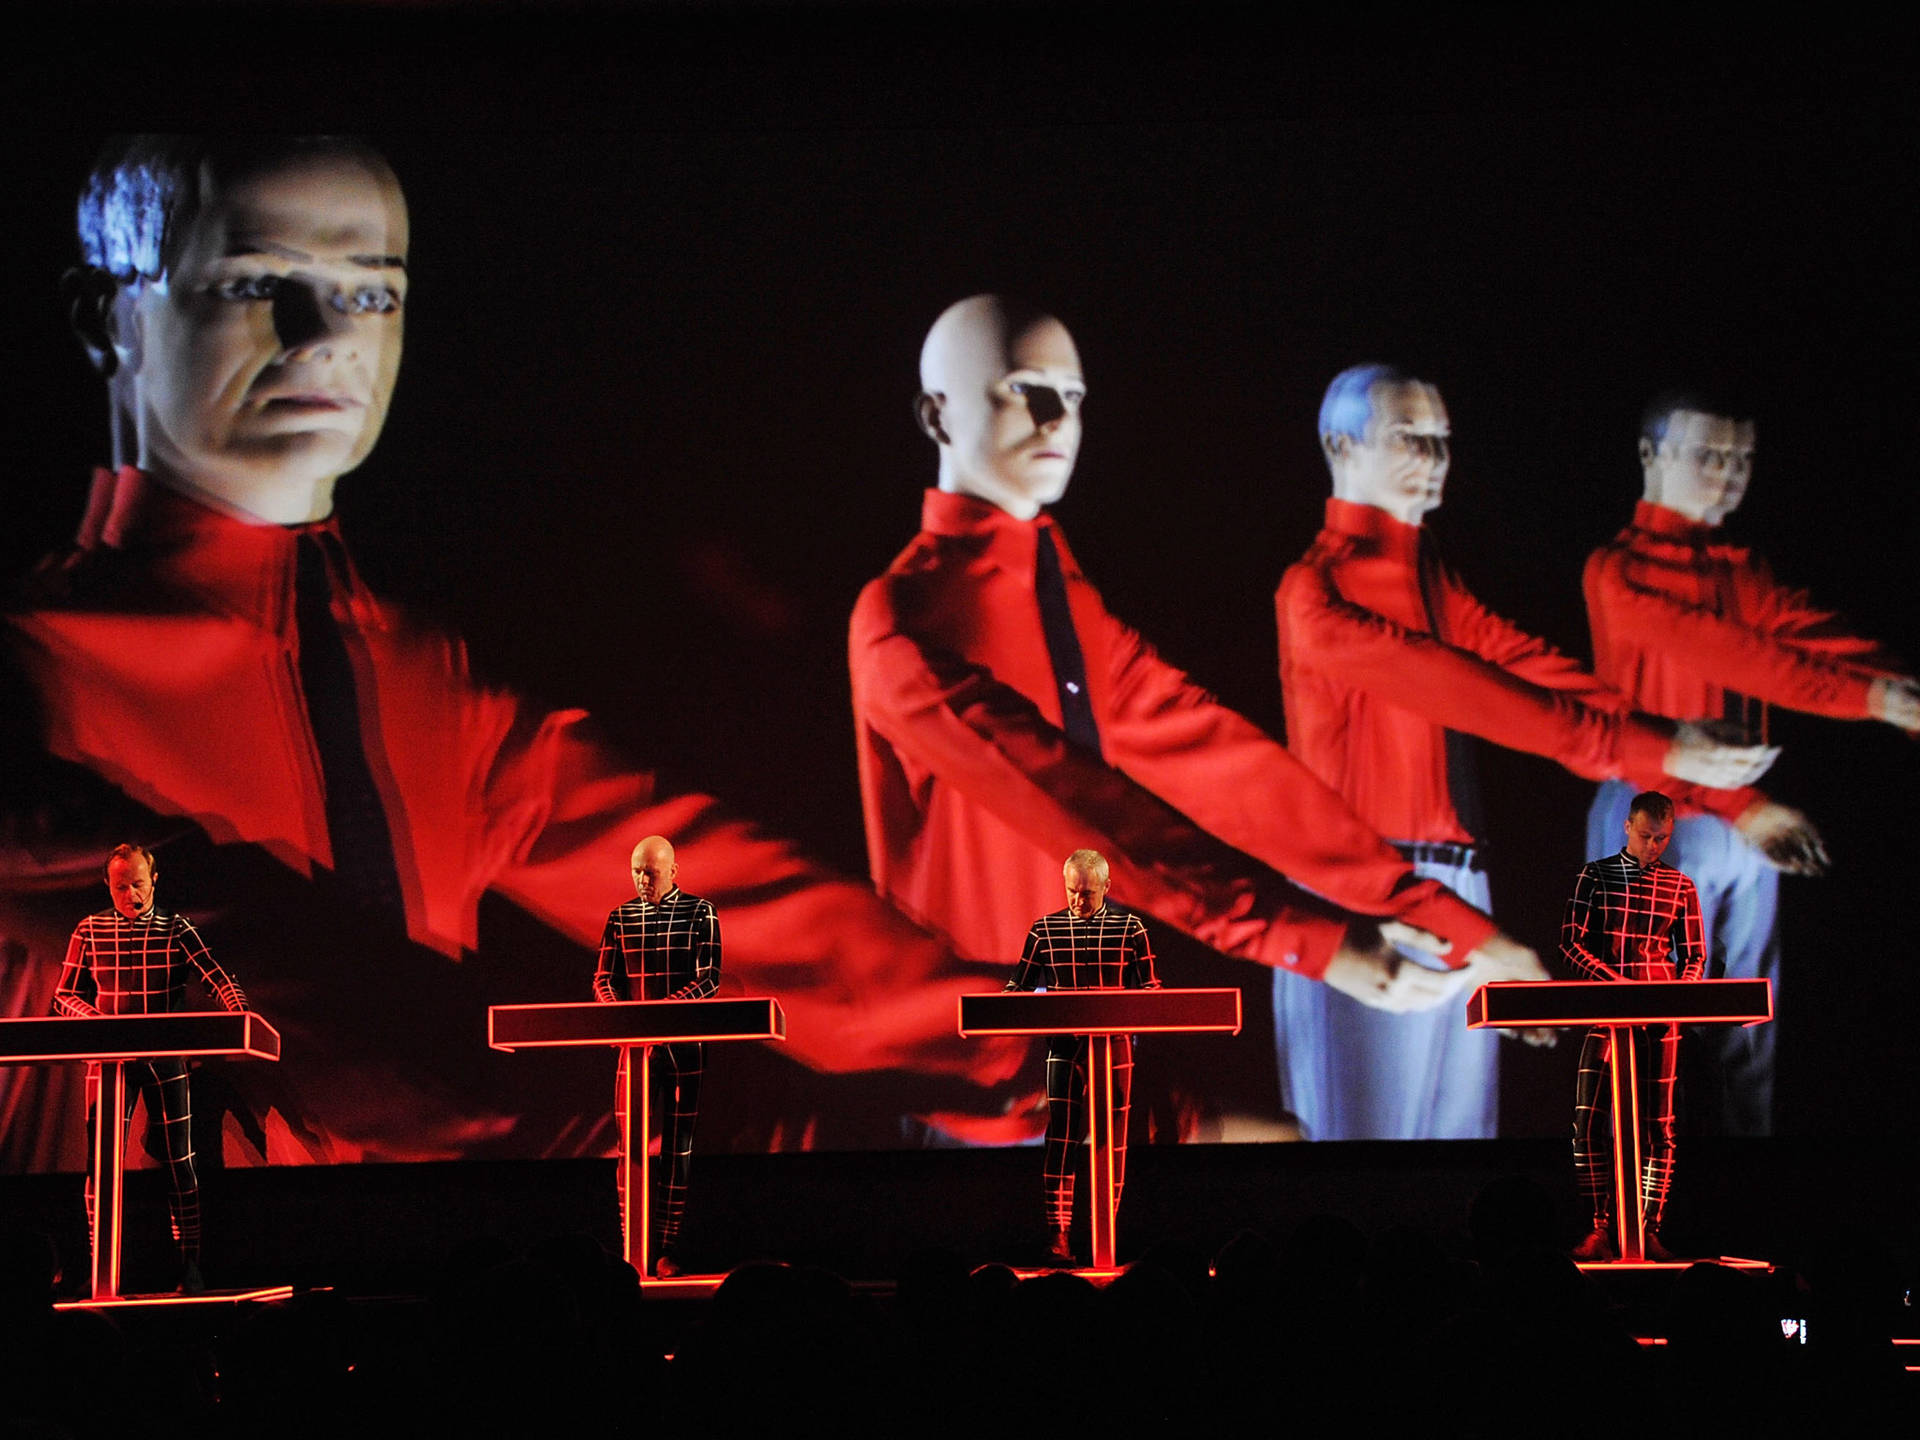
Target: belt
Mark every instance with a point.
(1441, 852)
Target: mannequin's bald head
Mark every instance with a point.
(1000, 393)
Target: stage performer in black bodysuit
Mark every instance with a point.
(135, 959)
(663, 944)
(1090, 945)
(1632, 918)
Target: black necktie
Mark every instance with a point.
(1463, 764)
(1063, 646)
(356, 822)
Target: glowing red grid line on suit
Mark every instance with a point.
(113, 1041)
(1621, 1005)
(635, 1026)
(1100, 1015)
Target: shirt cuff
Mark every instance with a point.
(1304, 944)
(1644, 747)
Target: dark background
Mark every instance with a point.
(672, 265)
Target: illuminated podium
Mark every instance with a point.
(1620, 1005)
(635, 1026)
(115, 1040)
(1100, 1015)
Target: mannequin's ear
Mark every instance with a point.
(1335, 446)
(91, 295)
(1647, 452)
(926, 411)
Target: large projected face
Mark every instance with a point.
(265, 359)
(1001, 396)
(1400, 464)
(1702, 467)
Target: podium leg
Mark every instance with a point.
(109, 1171)
(1629, 1218)
(1100, 1133)
(637, 1222)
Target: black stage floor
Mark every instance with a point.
(385, 1229)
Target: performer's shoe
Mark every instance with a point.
(665, 1267)
(1059, 1248)
(1597, 1246)
(192, 1282)
(1654, 1249)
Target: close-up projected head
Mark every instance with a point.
(1000, 393)
(1649, 826)
(245, 304)
(1385, 436)
(1086, 874)
(654, 869)
(130, 876)
(1695, 460)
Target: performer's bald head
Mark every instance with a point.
(654, 868)
(1000, 393)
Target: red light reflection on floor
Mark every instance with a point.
(1732, 1262)
(212, 1297)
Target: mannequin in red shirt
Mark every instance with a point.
(980, 760)
(1390, 669)
(245, 301)
(1685, 623)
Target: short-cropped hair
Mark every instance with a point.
(145, 190)
(1652, 804)
(1658, 416)
(1090, 861)
(129, 853)
(1348, 404)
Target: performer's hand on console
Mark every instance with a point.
(1368, 968)
(1703, 753)
(1785, 837)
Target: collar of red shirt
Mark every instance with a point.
(1005, 540)
(233, 565)
(1671, 524)
(1374, 529)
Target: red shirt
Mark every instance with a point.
(1383, 650)
(973, 794)
(1681, 620)
(179, 682)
